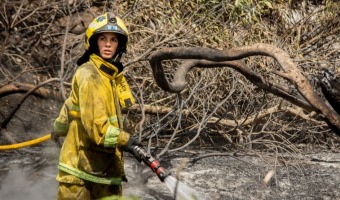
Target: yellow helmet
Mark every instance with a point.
(108, 22)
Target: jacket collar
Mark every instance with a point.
(106, 68)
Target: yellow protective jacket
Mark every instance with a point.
(91, 116)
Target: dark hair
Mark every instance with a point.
(84, 58)
(93, 49)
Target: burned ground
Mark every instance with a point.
(31, 175)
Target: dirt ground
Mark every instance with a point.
(30, 174)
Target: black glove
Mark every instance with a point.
(124, 179)
(132, 142)
(55, 137)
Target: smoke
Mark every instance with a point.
(20, 184)
(29, 174)
(32, 177)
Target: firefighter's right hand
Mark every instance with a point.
(132, 142)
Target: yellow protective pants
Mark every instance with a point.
(88, 191)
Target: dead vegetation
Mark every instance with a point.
(254, 103)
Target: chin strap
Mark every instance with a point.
(117, 57)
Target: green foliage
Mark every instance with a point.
(249, 11)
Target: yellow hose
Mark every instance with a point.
(25, 144)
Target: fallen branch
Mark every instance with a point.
(263, 113)
(148, 109)
(290, 71)
(25, 87)
(22, 88)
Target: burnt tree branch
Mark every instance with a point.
(289, 70)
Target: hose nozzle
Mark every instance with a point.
(155, 166)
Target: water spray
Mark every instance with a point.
(154, 164)
(178, 189)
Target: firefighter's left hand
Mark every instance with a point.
(55, 137)
(132, 142)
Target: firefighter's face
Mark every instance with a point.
(107, 44)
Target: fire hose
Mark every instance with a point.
(151, 162)
(154, 164)
(27, 143)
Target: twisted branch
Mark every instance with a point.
(290, 72)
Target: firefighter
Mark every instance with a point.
(91, 164)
